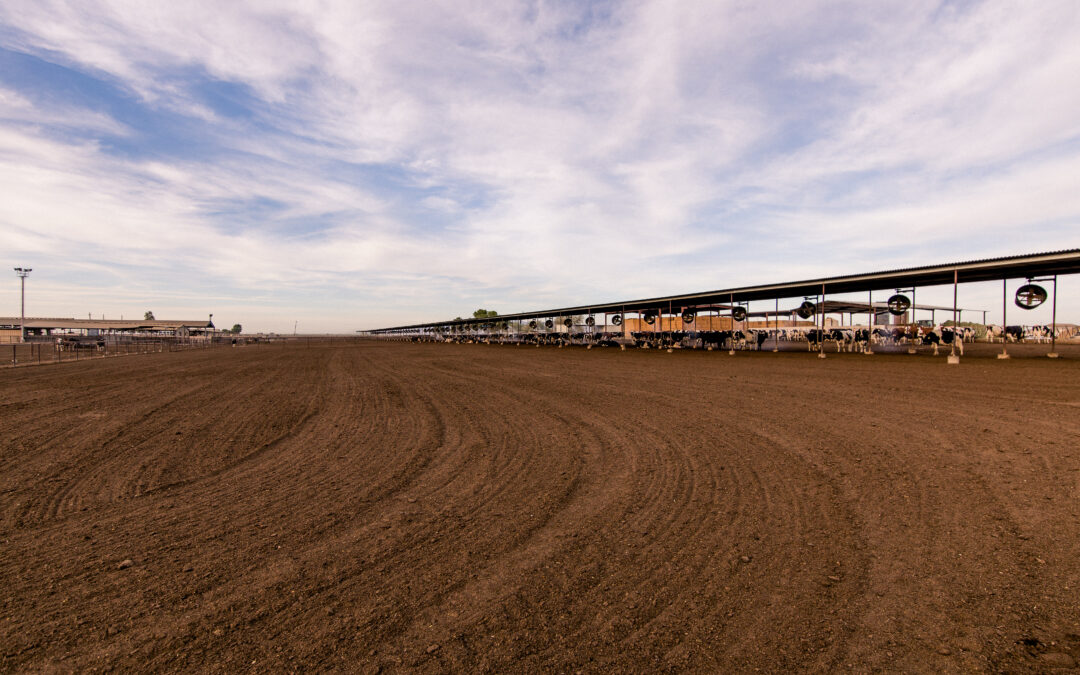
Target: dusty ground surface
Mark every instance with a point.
(440, 508)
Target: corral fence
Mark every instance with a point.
(70, 349)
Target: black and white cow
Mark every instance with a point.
(944, 335)
(860, 339)
(714, 339)
(1014, 333)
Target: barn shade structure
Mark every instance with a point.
(101, 327)
(1013, 267)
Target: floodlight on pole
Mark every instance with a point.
(23, 272)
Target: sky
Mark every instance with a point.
(337, 166)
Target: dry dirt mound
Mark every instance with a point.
(482, 508)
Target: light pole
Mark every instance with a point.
(23, 273)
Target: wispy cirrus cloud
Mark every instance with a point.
(362, 165)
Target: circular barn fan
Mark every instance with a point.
(549, 323)
(738, 313)
(806, 310)
(1030, 296)
(898, 304)
(649, 318)
(590, 321)
(688, 316)
(568, 322)
(532, 324)
(617, 320)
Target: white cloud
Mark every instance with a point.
(426, 156)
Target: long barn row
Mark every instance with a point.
(852, 339)
(736, 330)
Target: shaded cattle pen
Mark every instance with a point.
(729, 307)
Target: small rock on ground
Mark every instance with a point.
(124, 565)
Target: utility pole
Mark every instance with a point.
(23, 273)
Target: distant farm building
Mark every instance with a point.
(38, 329)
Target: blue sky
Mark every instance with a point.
(355, 165)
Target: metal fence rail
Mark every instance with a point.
(51, 352)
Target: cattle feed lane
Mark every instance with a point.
(1004, 321)
(731, 301)
(671, 323)
(914, 321)
(821, 334)
(870, 321)
(953, 358)
(776, 325)
(1053, 322)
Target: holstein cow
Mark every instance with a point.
(844, 338)
(881, 336)
(714, 339)
(943, 336)
(816, 336)
(860, 339)
(1014, 333)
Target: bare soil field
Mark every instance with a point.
(470, 508)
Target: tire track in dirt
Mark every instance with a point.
(172, 447)
(471, 508)
(660, 530)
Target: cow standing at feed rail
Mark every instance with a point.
(795, 335)
(714, 339)
(1042, 334)
(1014, 333)
(738, 340)
(843, 338)
(607, 339)
(942, 336)
(906, 335)
(882, 337)
(860, 340)
(761, 336)
(751, 340)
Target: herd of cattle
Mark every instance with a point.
(849, 339)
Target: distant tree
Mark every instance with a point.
(237, 328)
(148, 316)
(458, 318)
(485, 314)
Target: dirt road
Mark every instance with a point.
(492, 508)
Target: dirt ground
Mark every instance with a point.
(473, 508)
